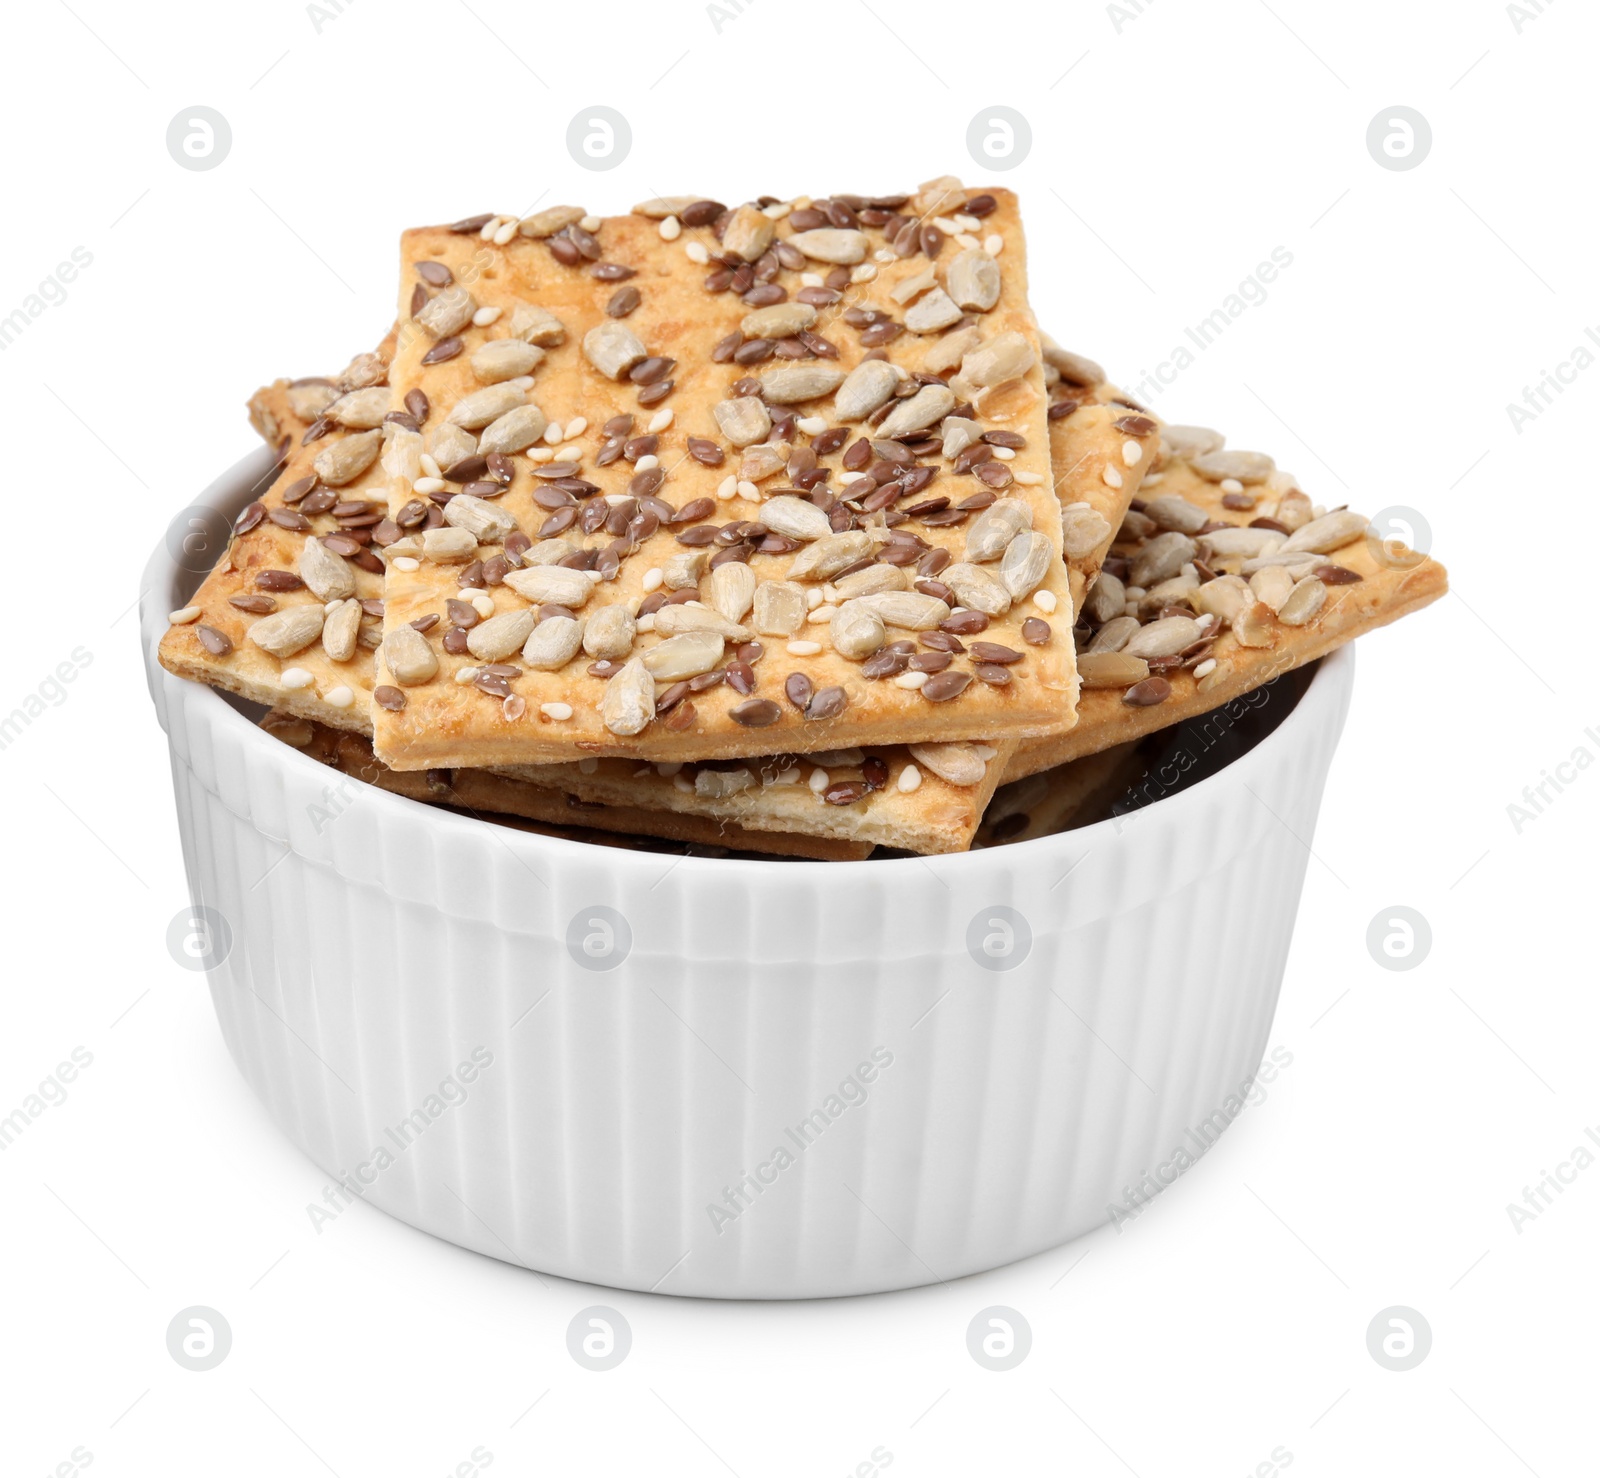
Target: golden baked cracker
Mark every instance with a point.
(541, 809)
(1346, 584)
(654, 286)
(1070, 795)
(238, 632)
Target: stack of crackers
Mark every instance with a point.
(779, 528)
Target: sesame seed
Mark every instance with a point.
(911, 680)
(1206, 668)
(185, 616)
(821, 614)
(804, 648)
(1152, 478)
(1028, 479)
(670, 228)
(340, 697)
(470, 592)
(813, 598)
(659, 422)
(513, 708)
(818, 781)
(483, 606)
(696, 253)
(966, 241)
(778, 211)
(812, 425)
(540, 454)
(850, 477)
(1045, 601)
(668, 768)
(505, 234)
(405, 563)
(864, 273)
(429, 466)
(1231, 485)
(728, 487)
(811, 279)
(522, 382)
(330, 606)
(994, 243)
(910, 779)
(428, 485)
(577, 426)
(967, 223)
(683, 783)
(644, 464)
(591, 224)
(485, 316)
(554, 434)
(294, 678)
(1111, 477)
(559, 712)
(945, 224)
(465, 675)
(647, 623)
(1131, 453)
(884, 255)
(490, 226)
(791, 776)
(652, 579)
(749, 490)
(571, 451)
(1004, 453)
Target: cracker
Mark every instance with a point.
(329, 681)
(444, 721)
(1075, 794)
(546, 811)
(1363, 585)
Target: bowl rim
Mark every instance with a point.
(1331, 679)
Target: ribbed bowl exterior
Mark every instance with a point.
(408, 992)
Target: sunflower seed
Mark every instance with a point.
(1115, 634)
(799, 382)
(948, 351)
(743, 420)
(1005, 357)
(535, 325)
(497, 638)
(749, 233)
(286, 632)
(548, 221)
(1106, 598)
(1271, 586)
(448, 313)
(1216, 466)
(1254, 626)
(1306, 599)
(326, 575)
(613, 349)
(1238, 543)
(829, 556)
(485, 521)
(685, 655)
(1082, 532)
(993, 530)
(553, 643)
(856, 631)
(733, 588)
(408, 657)
(959, 433)
(308, 402)
(1324, 535)
(873, 580)
(869, 385)
(1178, 591)
(449, 445)
(1164, 638)
(977, 588)
(679, 620)
(446, 545)
(935, 311)
(1025, 564)
(1169, 511)
(907, 609)
(928, 406)
(1161, 558)
(552, 585)
(361, 410)
(830, 244)
(1070, 366)
(795, 518)
(1223, 598)
(515, 431)
(478, 409)
(780, 321)
(973, 280)
(340, 630)
(630, 699)
(345, 460)
(959, 764)
(504, 359)
(683, 571)
(1111, 669)
(609, 633)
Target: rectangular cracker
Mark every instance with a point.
(1070, 795)
(445, 722)
(541, 809)
(1366, 584)
(219, 641)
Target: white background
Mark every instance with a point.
(1171, 152)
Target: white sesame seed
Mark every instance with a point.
(777, 211)
(560, 712)
(696, 253)
(647, 623)
(1231, 485)
(830, 594)
(994, 243)
(1028, 479)
(748, 490)
(428, 485)
(1045, 601)
(1204, 669)
(340, 697)
(594, 576)
(591, 224)
(910, 779)
(965, 222)
(485, 316)
(791, 776)
(822, 614)
(588, 765)
(670, 228)
(864, 273)
(728, 487)
(570, 451)
(465, 675)
(540, 454)
(1004, 453)
(812, 425)
(294, 678)
(505, 235)
(884, 255)
(813, 598)
(945, 224)
(1111, 477)
(512, 707)
(490, 226)
(818, 780)
(577, 426)
(522, 382)
(405, 563)
(185, 616)
(810, 279)
(1132, 453)
(668, 768)
(644, 464)
(911, 680)
(966, 241)
(659, 422)
(699, 605)
(330, 606)
(553, 434)
(683, 783)
(483, 606)
(470, 593)
(849, 477)
(429, 466)
(804, 648)
(652, 579)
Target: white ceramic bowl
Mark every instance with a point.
(741, 1079)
